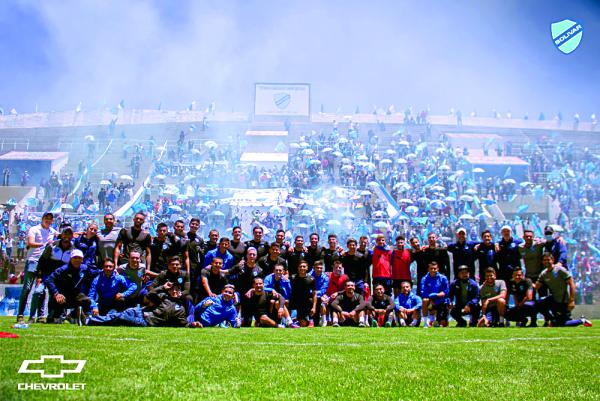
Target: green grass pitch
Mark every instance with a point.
(309, 364)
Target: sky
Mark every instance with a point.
(468, 55)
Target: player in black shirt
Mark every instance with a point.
(348, 307)
(521, 289)
(304, 294)
(246, 270)
(213, 279)
(314, 252)
(133, 238)
(380, 308)
(162, 248)
(356, 266)
(261, 305)
(262, 247)
(295, 255)
(333, 252)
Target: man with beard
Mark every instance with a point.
(180, 242)
(162, 248)
(486, 254)
(463, 253)
(109, 290)
(195, 245)
(135, 273)
(262, 247)
(107, 239)
(464, 298)
(437, 254)
(408, 306)
(262, 305)
(380, 308)
(134, 238)
(236, 247)
(212, 243)
(304, 295)
(434, 288)
(557, 306)
(521, 289)
(493, 300)
(507, 254)
(314, 251)
(334, 251)
(400, 265)
(174, 276)
(355, 266)
(295, 255)
(347, 308)
(246, 270)
(418, 255)
(268, 262)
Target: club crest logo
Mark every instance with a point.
(282, 100)
(566, 35)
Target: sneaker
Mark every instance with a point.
(336, 324)
(388, 324)
(20, 319)
(361, 324)
(374, 323)
(323, 323)
(31, 320)
(403, 323)
(281, 326)
(311, 323)
(41, 320)
(586, 322)
(293, 325)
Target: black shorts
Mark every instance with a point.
(302, 309)
(441, 312)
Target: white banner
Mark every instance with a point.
(282, 100)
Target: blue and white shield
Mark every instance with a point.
(282, 100)
(566, 35)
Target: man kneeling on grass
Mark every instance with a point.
(380, 308)
(493, 300)
(159, 310)
(266, 307)
(348, 308)
(434, 290)
(408, 306)
(219, 310)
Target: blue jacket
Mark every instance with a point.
(472, 293)
(227, 258)
(321, 283)
(431, 286)
(104, 289)
(88, 247)
(216, 313)
(409, 301)
(508, 257)
(67, 280)
(558, 250)
(285, 287)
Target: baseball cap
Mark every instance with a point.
(461, 230)
(463, 267)
(76, 252)
(548, 230)
(48, 214)
(506, 227)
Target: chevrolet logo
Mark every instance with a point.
(25, 366)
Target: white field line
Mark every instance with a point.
(341, 344)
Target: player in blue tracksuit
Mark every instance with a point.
(110, 290)
(408, 306)
(277, 282)
(434, 291)
(213, 311)
(464, 298)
